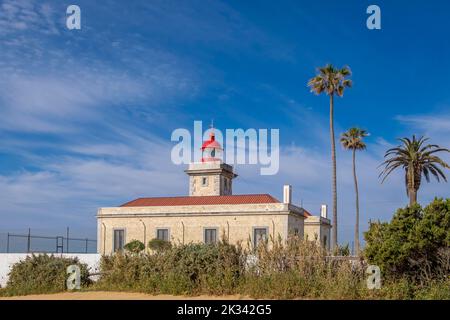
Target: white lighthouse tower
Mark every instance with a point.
(211, 176)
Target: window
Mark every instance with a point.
(204, 181)
(162, 234)
(119, 239)
(210, 236)
(259, 235)
(325, 242)
(295, 231)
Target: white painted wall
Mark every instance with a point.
(7, 260)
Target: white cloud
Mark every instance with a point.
(68, 190)
(74, 117)
(57, 81)
(52, 83)
(427, 123)
(54, 103)
(25, 15)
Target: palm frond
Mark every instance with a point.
(330, 80)
(417, 158)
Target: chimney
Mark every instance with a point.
(323, 211)
(287, 194)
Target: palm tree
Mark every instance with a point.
(353, 140)
(332, 81)
(416, 159)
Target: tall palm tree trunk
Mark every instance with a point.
(333, 159)
(412, 196)
(357, 205)
(412, 191)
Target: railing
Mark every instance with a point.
(28, 243)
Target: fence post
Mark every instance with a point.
(7, 244)
(67, 241)
(29, 240)
(58, 245)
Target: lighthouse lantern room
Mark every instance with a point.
(211, 176)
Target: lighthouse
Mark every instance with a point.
(211, 149)
(211, 176)
(210, 211)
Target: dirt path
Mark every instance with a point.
(105, 295)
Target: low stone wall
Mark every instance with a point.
(7, 260)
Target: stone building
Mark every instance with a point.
(210, 212)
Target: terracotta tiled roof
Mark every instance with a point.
(202, 200)
(306, 213)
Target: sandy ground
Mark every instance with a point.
(104, 295)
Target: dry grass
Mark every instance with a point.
(295, 269)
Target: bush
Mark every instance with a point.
(134, 246)
(181, 269)
(301, 269)
(342, 250)
(415, 244)
(280, 270)
(159, 245)
(42, 274)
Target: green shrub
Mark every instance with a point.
(436, 290)
(342, 250)
(414, 244)
(134, 246)
(282, 270)
(159, 245)
(278, 269)
(301, 269)
(295, 268)
(42, 274)
(181, 269)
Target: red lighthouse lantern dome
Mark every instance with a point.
(211, 149)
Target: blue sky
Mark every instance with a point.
(87, 115)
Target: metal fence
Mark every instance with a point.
(29, 243)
